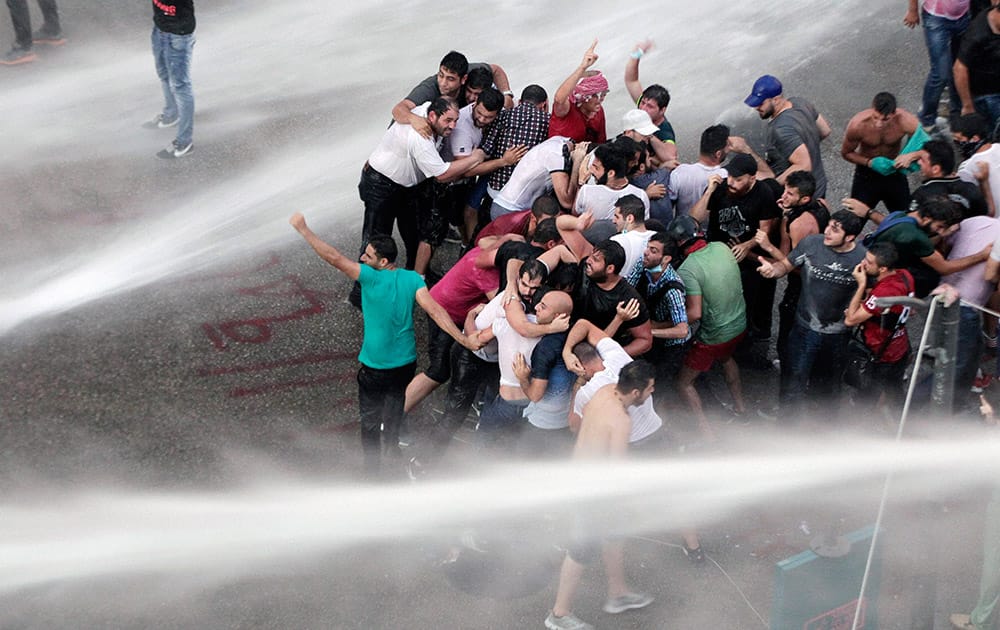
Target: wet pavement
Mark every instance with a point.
(210, 347)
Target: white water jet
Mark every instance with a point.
(92, 533)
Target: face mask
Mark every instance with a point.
(968, 148)
(656, 269)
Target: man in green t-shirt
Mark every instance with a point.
(714, 296)
(388, 349)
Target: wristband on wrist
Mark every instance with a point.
(636, 54)
(868, 215)
(508, 93)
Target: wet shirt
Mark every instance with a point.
(712, 273)
(980, 52)
(387, 299)
(552, 411)
(524, 124)
(738, 218)
(599, 307)
(428, 90)
(578, 128)
(967, 195)
(790, 129)
(827, 283)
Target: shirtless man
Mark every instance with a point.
(604, 434)
(878, 132)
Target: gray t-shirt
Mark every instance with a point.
(827, 283)
(427, 90)
(791, 128)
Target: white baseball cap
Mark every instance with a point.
(640, 121)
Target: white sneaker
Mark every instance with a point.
(175, 150)
(628, 601)
(569, 622)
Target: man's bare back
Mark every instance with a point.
(605, 426)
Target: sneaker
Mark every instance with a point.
(17, 56)
(628, 601)
(175, 150)
(696, 555)
(982, 382)
(415, 469)
(568, 622)
(961, 621)
(160, 122)
(48, 38)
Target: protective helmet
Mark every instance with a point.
(684, 229)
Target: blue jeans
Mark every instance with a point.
(172, 54)
(815, 366)
(941, 36)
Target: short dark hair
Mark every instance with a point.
(612, 159)
(671, 247)
(479, 77)
(715, 138)
(885, 254)
(884, 103)
(802, 181)
(564, 277)
(851, 223)
(442, 104)
(535, 94)
(546, 231)
(940, 208)
(972, 125)
(613, 252)
(534, 269)
(384, 246)
(940, 153)
(658, 93)
(456, 62)
(545, 206)
(631, 205)
(586, 352)
(491, 98)
(635, 375)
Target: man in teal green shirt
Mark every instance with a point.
(388, 349)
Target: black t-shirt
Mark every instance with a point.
(966, 194)
(512, 250)
(598, 306)
(174, 16)
(980, 52)
(738, 218)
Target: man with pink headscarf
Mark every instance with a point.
(576, 108)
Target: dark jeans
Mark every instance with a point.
(815, 367)
(468, 372)
(381, 394)
(786, 320)
(387, 204)
(871, 187)
(942, 37)
(758, 292)
(21, 18)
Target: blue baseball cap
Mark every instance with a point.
(763, 88)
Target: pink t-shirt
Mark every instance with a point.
(510, 223)
(949, 9)
(465, 286)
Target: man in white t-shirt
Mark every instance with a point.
(402, 161)
(546, 166)
(610, 170)
(598, 359)
(971, 133)
(632, 233)
(689, 181)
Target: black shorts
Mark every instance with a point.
(439, 345)
(870, 187)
